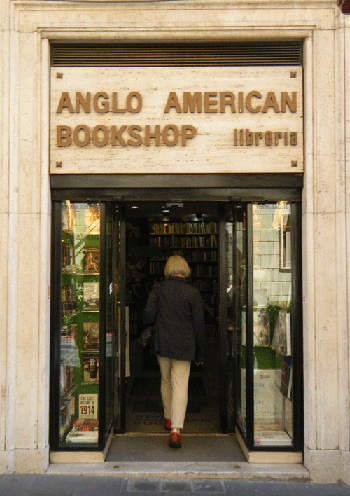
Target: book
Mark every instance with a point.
(91, 297)
(91, 261)
(90, 336)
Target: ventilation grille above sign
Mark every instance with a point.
(177, 55)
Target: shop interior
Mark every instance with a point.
(154, 231)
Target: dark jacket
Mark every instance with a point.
(175, 308)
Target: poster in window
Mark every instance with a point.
(91, 261)
(88, 404)
(91, 297)
(90, 336)
(91, 367)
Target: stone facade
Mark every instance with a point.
(26, 30)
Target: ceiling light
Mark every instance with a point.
(175, 204)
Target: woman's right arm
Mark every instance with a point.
(150, 311)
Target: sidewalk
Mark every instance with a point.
(69, 485)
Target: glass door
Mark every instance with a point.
(235, 313)
(110, 286)
(239, 298)
(121, 320)
(110, 342)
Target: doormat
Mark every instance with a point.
(157, 407)
(147, 417)
(148, 406)
(150, 386)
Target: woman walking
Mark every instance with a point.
(176, 310)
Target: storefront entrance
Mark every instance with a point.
(245, 261)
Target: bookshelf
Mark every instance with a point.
(197, 242)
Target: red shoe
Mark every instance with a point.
(174, 441)
(167, 425)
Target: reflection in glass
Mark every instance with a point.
(272, 341)
(79, 351)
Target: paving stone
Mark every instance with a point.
(208, 486)
(143, 485)
(176, 486)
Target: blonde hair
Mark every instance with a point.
(176, 265)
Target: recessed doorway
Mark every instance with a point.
(153, 232)
(245, 260)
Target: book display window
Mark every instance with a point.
(79, 342)
(272, 340)
(264, 323)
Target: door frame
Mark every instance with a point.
(191, 187)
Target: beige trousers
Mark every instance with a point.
(174, 389)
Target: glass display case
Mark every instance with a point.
(79, 346)
(85, 339)
(272, 338)
(264, 323)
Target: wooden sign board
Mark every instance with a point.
(176, 120)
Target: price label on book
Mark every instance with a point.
(88, 406)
